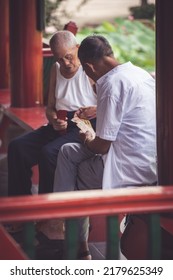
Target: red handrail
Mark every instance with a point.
(95, 202)
(47, 52)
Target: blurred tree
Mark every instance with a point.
(143, 11)
(144, 2)
(50, 9)
(51, 18)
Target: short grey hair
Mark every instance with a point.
(64, 37)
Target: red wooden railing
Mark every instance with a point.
(95, 202)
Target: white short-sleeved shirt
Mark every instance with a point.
(73, 93)
(126, 116)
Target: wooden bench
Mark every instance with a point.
(27, 119)
(16, 121)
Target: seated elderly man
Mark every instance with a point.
(70, 90)
(123, 151)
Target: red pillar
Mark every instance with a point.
(26, 61)
(4, 44)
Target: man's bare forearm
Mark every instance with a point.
(98, 145)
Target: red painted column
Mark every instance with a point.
(4, 44)
(26, 61)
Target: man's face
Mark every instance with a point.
(67, 59)
(89, 71)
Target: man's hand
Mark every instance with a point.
(87, 136)
(55, 122)
(84, 126)
(86, 113)
(59, 124)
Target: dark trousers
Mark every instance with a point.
(40, 147)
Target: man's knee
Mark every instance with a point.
(47, 154)
(16, 145)
(90, 173)
(68, 149)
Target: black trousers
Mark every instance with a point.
(40, 147)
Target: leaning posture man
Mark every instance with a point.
(123, 151)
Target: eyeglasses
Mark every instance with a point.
(67, 57)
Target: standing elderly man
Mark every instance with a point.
(123, 151)
(70, 89)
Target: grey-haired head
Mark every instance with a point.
(63, 38)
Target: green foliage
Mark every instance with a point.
(130, 40)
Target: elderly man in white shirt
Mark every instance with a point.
(123, 151)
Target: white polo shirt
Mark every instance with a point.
(126, 115)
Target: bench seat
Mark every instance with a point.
(15, 121)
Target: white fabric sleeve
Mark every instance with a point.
(109, 117)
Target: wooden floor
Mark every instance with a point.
(47, 249)
(98, 250)
(53, 249)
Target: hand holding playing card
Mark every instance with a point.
(86, 113)
(84, 126)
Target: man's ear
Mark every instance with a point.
(90, 67)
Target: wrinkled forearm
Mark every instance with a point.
(50, 112)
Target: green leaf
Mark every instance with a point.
(130, 40)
